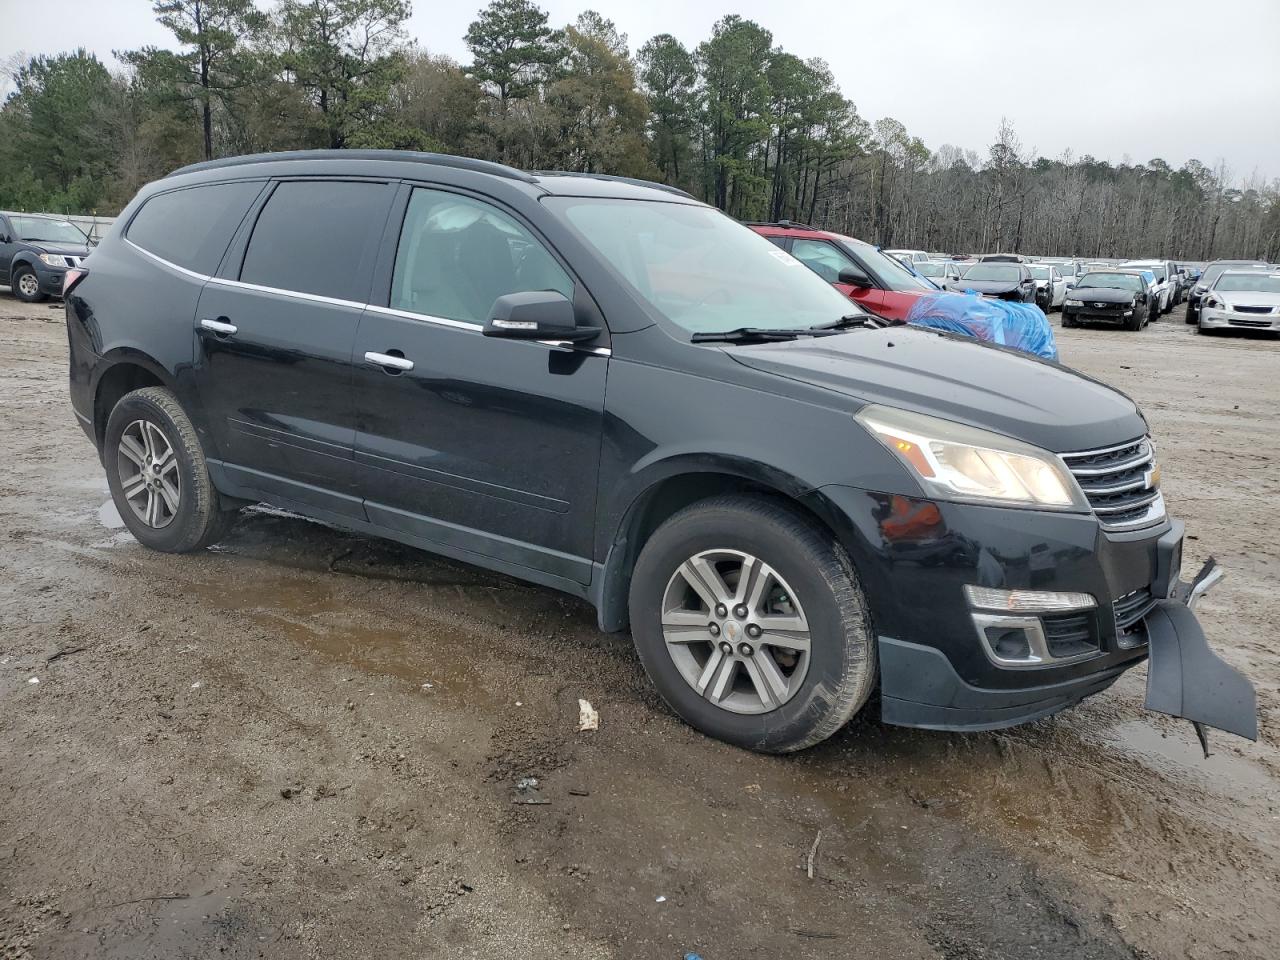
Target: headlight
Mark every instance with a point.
(54, 260)
(1213, 303)
(956, 462)
(1073, 303)
(1128, 313)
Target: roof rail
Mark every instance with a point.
(786, 224)
(634, 181)
(407, 156)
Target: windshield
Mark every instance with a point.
(42, 228)
(1040, 273)
(1113, 281)
(701, 270)
(1006, 272)
(1214, 271)
(930, 270)
(1253, 283)
(889, 271)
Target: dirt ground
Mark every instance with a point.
(303, 743)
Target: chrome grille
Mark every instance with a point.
(1241, 309)
(1121, 483)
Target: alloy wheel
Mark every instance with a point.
(736, 631)
(149, 477)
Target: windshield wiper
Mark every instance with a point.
(748, 335)
(851, 321)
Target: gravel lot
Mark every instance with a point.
(303, 743)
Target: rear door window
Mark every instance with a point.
(315, 236)
(457, 255)
(192, 227)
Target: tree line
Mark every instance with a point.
(736, 121)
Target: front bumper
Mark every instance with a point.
(1119, 315)
(51, 278)
(915, 558)
(1218, 319)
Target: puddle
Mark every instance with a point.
(316, 614)
(1178, 755)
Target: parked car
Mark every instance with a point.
(608, 388)
(1164, 285)
(1051, 288)
(865, 275)
(1243, 299)
(939, 271)
(1115, 296)
(910, 256)
(1003, 258)
(35, 253)
(1007, 281)
(1210, 276)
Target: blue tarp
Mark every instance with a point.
(1020, 325)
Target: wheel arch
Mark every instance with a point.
(667, 488)
(123, 371)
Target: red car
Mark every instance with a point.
(857, 269)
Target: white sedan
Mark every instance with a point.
(1051, 286)
(1164, 282)
(1244, 300)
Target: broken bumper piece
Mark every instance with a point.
(1185, 678)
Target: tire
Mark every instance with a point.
(811, 581)
(1137, 322)
(1067, 322)
(1191, 317)
(26, 285)
(139, 429)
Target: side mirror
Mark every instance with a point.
(854, 278)
(536, 315)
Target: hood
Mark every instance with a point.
(64, 249)
(958, 378)
(1248, 298)
(1103, 294)
(990, 287)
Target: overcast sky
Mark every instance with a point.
(1121, 79)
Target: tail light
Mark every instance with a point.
(73, 277)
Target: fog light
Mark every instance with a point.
(1027, 601)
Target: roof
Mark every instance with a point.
(552, 181)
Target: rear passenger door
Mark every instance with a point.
(275, 331)
(485, 445)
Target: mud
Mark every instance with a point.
(303, 743)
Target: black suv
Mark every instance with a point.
(606, 387)
(36, 251)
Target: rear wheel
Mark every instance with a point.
(158, 476)
(750, 622)
(26, 285)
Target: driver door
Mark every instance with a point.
(827, 260)
(487, 445)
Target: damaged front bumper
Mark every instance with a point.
(1185, 677)
(920, 687)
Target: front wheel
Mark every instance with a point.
(749, 619)
(158, 476)
(26, 285)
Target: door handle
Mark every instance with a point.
(220, 327)
(388, 361)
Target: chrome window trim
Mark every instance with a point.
(334, 301)
(426, 317)
(168, 263)
(280, 291)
